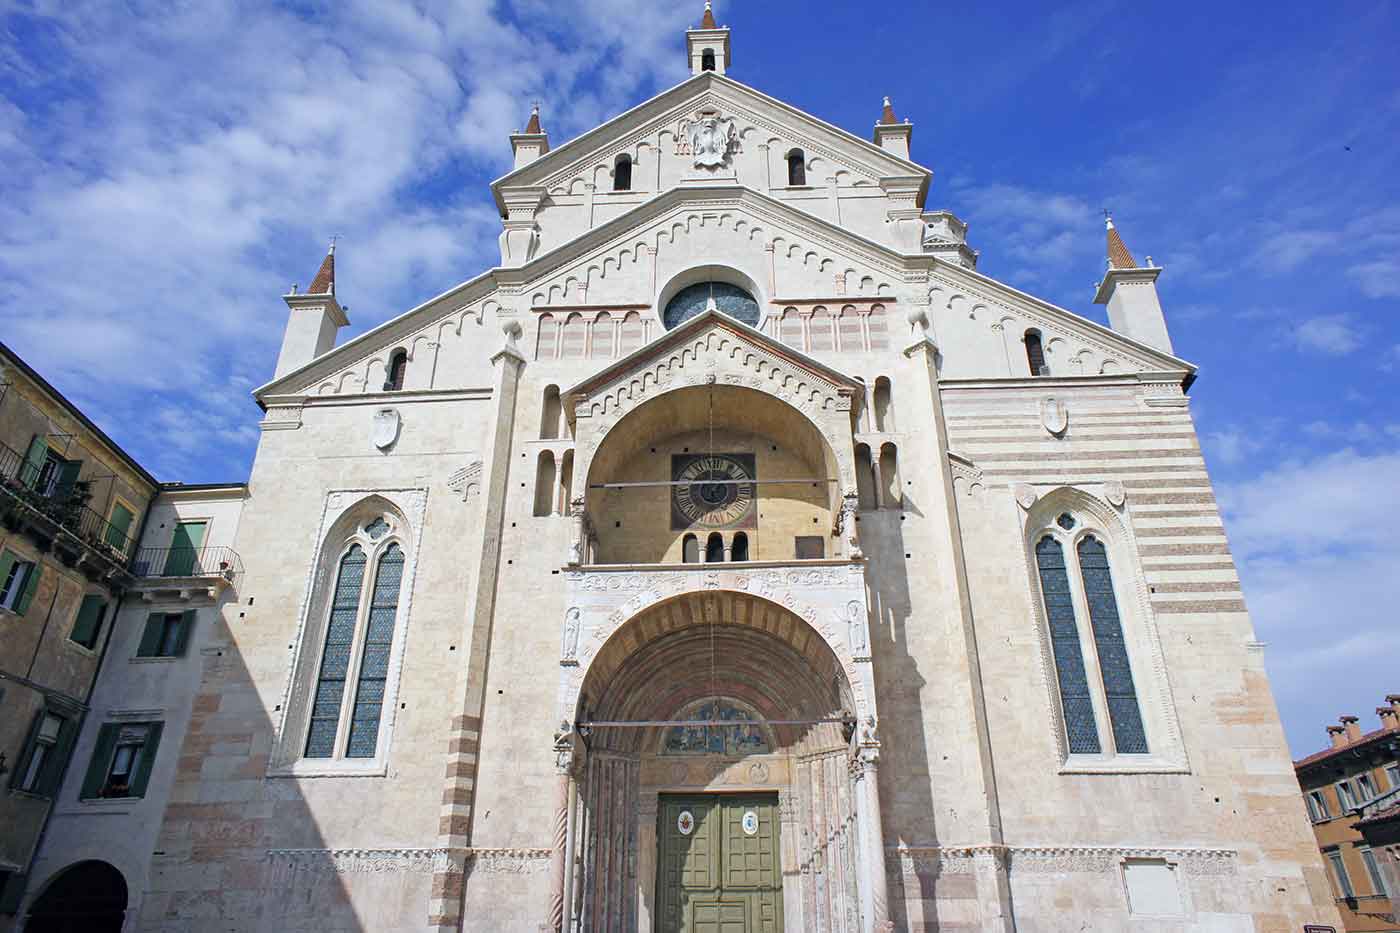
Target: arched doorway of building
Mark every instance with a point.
(88, 897)
(717, 781)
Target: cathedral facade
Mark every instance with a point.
(733, 556)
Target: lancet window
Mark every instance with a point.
(349, 694)
(1093, 670)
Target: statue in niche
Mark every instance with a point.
(855, 627)
(571, 632)
(711, 139)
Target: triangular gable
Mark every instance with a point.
(472, 300)
(708, 88)
(791, 370)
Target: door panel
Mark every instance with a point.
(718, 878)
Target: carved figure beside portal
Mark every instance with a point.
(569, 654)
(855, 630)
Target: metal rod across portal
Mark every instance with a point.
(648, 723)
(713, 482)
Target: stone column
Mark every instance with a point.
(563, 778)
(875, 902)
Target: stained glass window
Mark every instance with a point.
(1066, 521)
(374, 663)
(734, 741)
(692, 300)
(335, 660)
(1129, 738)
(1080, 726)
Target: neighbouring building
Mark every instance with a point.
(71, 505)
(1352, 793)
(733, 555)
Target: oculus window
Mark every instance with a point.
(692, 300)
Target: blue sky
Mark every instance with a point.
(169, 169)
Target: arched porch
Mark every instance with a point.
(796, 749)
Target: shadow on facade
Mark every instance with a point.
(238, 850)
(909, 812)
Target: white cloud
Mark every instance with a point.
(194, 159)
(1334, 334)
(1378, 279)
(1317, 552)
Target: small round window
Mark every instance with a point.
(692, 300)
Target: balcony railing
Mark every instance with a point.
(157, 562)
(33, 498)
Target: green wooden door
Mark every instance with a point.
(184, 548)
(717, 870)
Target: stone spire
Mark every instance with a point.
(708, 20)
(324, 282)
(891, 134)
(313, 320)
(887, 117)
(1118, 255)
(1135, 310)
(531, 144)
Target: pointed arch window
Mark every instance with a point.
(343, 686)
(1093, 670)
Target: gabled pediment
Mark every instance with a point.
(761, 120)
(713, 347)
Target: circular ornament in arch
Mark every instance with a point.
(1066, 521)
(694, 299)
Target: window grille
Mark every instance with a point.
(374, 663)
(1125, 717)
(335, 661)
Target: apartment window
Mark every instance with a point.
(1365, 787)
(1392, 774)
(1368, 858)
(118, 524)
(41, 762)
(166, 634)
(1339, 874)
(88, 624)
(1346, 798)
(1317, 806)
(18, 581)
(121, 762)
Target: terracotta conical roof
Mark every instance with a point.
(708, 20)
(324, 282)
(534, 125)
(1118, 255)
(887, 118)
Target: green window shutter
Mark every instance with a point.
(67, 477)
(26, 750)
(11, 893)
(89, 620)
(52, 775)
(101, 758)
(183, 638)
(34, 461)
(120, 522)
(7, 561)
(148, 759)
(30, 586)
(150, 636)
